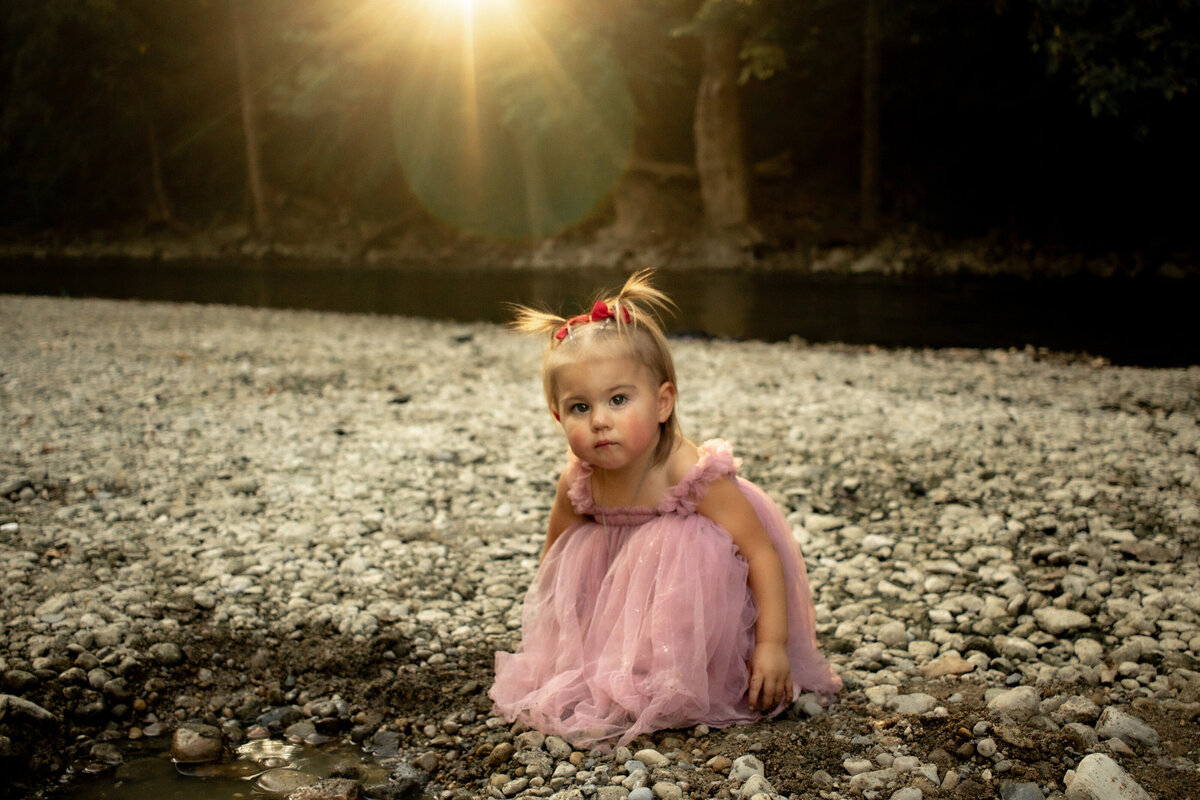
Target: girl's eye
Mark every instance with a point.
(579, 408)
(618, 400)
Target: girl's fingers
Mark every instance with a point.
(770, 695)
(777, 694)
(756, 689)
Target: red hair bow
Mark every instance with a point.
(600, 312)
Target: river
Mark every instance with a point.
(1142, 321)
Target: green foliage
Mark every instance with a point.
(763, 26)
(1120, 56)
(763, 59)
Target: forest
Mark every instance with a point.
(767, 123)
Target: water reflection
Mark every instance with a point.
(269, 752)
(1132, 321)
(266, 768)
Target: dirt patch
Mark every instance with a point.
(237, 677)
(234, 677)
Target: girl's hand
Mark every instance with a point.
(770, 676)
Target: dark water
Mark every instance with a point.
(148, 773)
(1151, 322)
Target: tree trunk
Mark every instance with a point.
(720, 160)
(161, 208)
(159, 205)
(249, 126)
(869, 199)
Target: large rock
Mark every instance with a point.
(756, 785)
(875, 780)
(651, 758)
(1076, 709)
(194, 743)
(405, 783)
(916, 703)
(1060, 620)
(18, 680)
(949, 664)
(745, 766)
(1098, 777)
(1018, 791)
(22, 709)
(1116, 724)
(167, 653)
(1019, 704)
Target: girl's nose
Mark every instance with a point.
(599, 420)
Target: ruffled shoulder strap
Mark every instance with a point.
(716, 461)
(580, 487)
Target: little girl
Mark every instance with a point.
(670, 592)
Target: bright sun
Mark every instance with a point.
(476, 10)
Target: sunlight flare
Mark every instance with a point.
(512, 122)
(482, 10)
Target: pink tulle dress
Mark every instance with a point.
(640, 619)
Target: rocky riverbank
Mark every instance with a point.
(908, 251)
(225, 525)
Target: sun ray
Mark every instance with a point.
(474, 146)
(507, 123)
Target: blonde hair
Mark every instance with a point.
(633, 327)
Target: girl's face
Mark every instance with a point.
(610, 410)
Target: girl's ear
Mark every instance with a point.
(554, 413)
(666, 400)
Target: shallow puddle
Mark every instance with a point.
(265, 768)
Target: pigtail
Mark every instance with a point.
(639, 298)
(637, 302)
(531, 320)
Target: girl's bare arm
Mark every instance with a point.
(770, 671)
(562, 514)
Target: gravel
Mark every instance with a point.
(315, 527)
